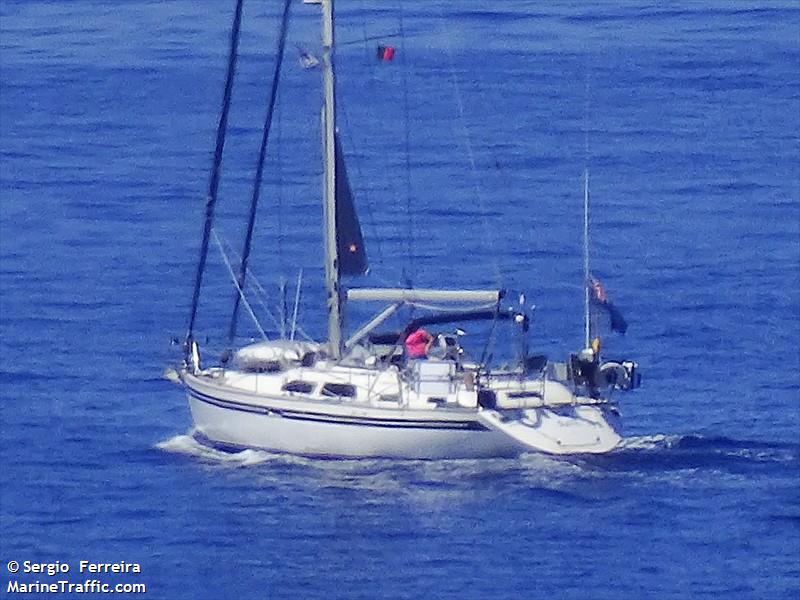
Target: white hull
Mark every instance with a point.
(310, 438)
(241, 419)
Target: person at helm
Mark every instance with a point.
(418, 343)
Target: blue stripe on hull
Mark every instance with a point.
(338, 420)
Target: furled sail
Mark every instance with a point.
(349, 240)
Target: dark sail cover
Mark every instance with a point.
(349, 240)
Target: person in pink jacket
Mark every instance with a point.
(418, 343)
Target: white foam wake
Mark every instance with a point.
(650, 442)
(188, 445)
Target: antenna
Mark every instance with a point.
(586, 275)
(586, 320)
(282, 291)
(297, 289)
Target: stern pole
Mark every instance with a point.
(586, 317)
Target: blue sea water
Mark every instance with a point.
(687, 115)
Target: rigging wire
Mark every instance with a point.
(262, 153)
(348, 129)
(261, 294)
(372, 115)
(279, 182)
(488, 238)
(261, 297)
(490, 342)
(238, 287)
(213, 186)
(227, 250)
(376, 239)
(407, 152)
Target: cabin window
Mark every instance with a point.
(530, 394)
(338, 390)
(299, 387)
(267, 366)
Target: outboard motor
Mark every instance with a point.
(587, 370)
(621, 375)
(446, 347)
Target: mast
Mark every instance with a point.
(334, 300)
(586, 319)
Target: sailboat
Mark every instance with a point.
(367, 394)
